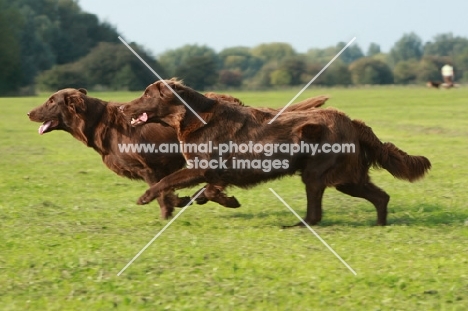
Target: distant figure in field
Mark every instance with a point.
(447, 75)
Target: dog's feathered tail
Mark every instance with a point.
(309, 103)
(388, 156)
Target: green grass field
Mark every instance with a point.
(69, 225)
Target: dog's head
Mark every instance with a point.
(167, 102)
(60, 111)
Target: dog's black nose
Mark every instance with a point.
(28, 114)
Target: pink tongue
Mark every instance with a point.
(44, 127)
(143, 117)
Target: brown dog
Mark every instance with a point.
(347, 171)
(433, 84)
(100, 125)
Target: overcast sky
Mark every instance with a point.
(163, 25)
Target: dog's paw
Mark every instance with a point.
(166, 213)
(183, 201)
(231, 202)
(146, 198)
(141, 201)
(201, 201)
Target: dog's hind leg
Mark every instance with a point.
(371, 193)
(215, 193)
(182, 201)
(201, 199)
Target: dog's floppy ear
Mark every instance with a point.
(166, 92)
(75, 103)
(83, 91)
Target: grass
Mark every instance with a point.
(69, 225)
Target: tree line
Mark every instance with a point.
(409, 61)
(52, 44)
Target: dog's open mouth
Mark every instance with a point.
(141, 119)
(47, 126)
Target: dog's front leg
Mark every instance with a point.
(181, 179)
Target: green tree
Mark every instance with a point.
(408, 47)
(10, 63)
(320, 56)
(373, 49)
(280, 77)
(337, 74)
(240, 58)
(406, 71)
(110, 60)
(461, 65)
(368, 70)
(36, 54)
(78, 32)
(312, 69)
(295, 66)
(108, 65)
(230, 78)
(56, 32)
(234, 58)
(234, 62)
(273, 51)
(173, 59)
(370, 76)
(428, 70)
(198, 72)
(446, 45)
(59, 77)
(262, 78)
(350, 54)
(126, 79)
